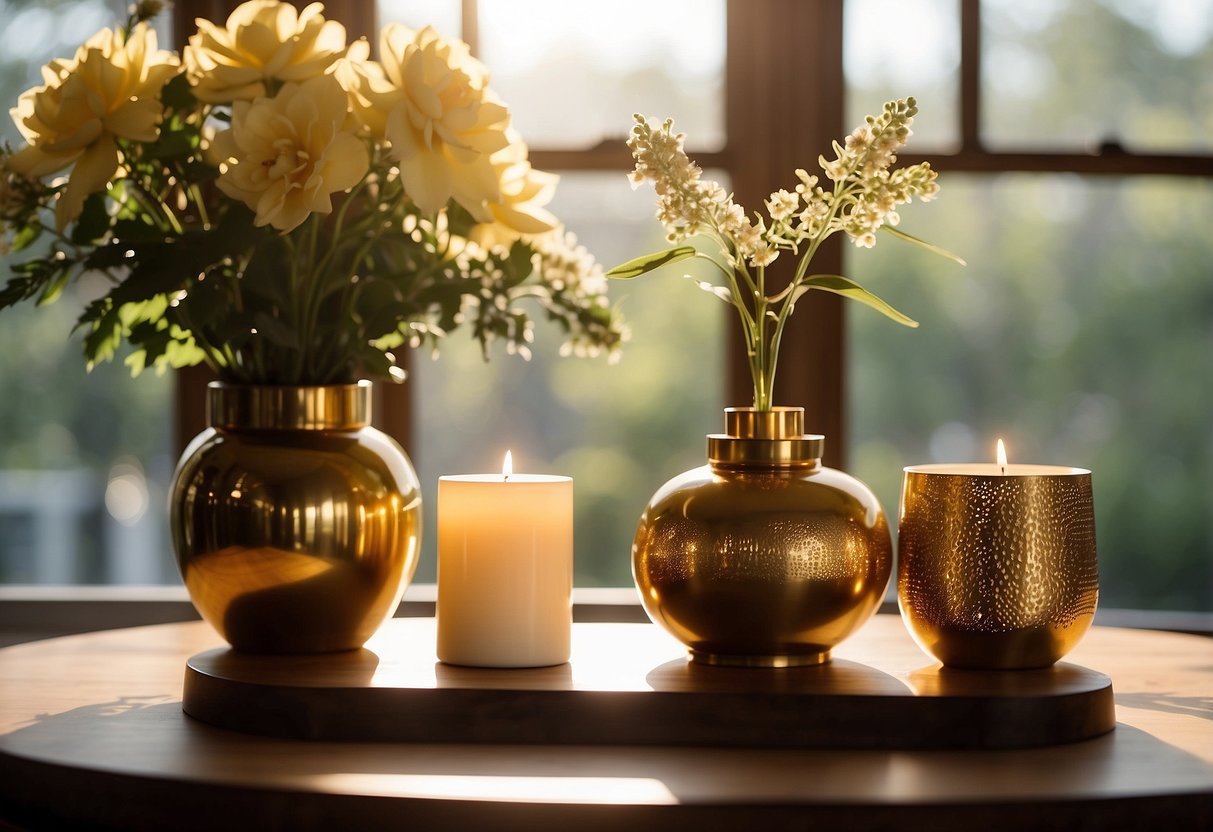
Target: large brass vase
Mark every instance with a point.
(762, 557)
(296, 524)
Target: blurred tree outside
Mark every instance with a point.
(573, 75)
(1082, 329)
(84, 457)
(619, 430)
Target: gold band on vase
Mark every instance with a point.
(273, 407)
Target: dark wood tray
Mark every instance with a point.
(630, 684)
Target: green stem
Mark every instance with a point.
(786, 299)
(154, 206)
(195, 195)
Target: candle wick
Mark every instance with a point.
(505, 477)
(1004, 468)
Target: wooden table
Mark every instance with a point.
(91, 730)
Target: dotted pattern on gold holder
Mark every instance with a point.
(997, 570)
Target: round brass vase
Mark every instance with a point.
(763, 557)
(997, 571)
(296, 524)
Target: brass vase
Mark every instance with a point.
(296, 524)
(763, 557)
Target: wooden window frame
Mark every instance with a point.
(784, 100)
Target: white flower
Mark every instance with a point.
(782, 205)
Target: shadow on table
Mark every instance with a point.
(1200, 707)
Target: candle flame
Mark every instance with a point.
(507, 467)
(1002, 456)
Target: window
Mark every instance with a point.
(572, 76)
(1079, 331)
(1075, 178)
(86, 458)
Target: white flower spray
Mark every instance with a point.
(860, 198)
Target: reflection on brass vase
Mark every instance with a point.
(296, 524)
(762, 557)
(997, 571)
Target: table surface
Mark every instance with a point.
(91, 728)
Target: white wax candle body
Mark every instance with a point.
(505, 570)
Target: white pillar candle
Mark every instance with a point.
(505, 569)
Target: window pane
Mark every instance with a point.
(620, 431)
(444, 15)
(894, 50)
(1080, 333)
(1083, 72)
(86, 458)
(574, 73)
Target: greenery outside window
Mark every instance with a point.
(1074, 188)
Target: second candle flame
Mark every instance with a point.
(507, 467)
(1002, 456)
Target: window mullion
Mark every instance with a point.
(970, 75)
(613, 154)
(1108, 162)
(784, 105)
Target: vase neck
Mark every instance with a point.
(772, 438)
(271, 407)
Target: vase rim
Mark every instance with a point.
(289, 407)
(771, 438)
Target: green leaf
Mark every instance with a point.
(910, 238)
(458, 219)
(93, 220)
(275, 331)
(645, 264)
(136, 230)
(55, 287)
(518, 264)
(22, 287)
(177, 94)
(170, 144)
(103, 339)
(848, 288)
(26, 237)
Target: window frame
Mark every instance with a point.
(777, 51)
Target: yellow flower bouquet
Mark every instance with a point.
(274, 203)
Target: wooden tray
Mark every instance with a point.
(630, 684)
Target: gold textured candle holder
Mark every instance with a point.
(997, 571)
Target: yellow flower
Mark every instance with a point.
(519, 210)
(285, 156)
(264, 41)
(111, 89)
(430, 99)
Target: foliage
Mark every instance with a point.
(280, 207)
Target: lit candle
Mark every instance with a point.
(505, 569)
(996, 561)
